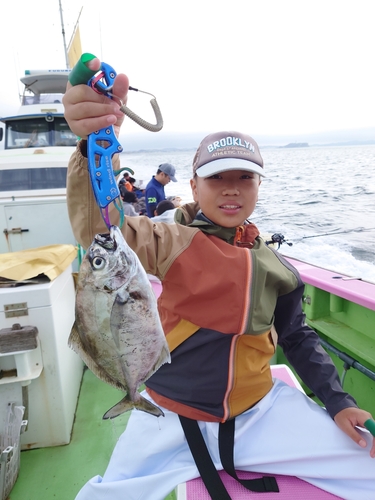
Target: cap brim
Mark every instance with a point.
(172, 178)
(225, 164)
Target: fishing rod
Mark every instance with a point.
(349, 362)
(360, 230)
(279, 238)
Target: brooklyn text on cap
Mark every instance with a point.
(223, 151)
(169, 170)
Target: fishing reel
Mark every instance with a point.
(278, 239)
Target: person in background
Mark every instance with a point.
(176, 200)
(139, 190)
(164, 212)
(125, 184)
(131, 181)
(155, 188)
(129, 200)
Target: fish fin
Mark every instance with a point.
(164, 357)
(127, 404)
(75, 343)
(74, 340)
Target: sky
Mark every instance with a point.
(259, 66)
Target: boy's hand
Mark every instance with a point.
(87, 111)
(348, 419)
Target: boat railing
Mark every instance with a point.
(341, 309)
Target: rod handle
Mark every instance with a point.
(370, 426)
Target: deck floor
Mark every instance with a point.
(58, 473)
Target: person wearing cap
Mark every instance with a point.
(155, 188)
(227, 301)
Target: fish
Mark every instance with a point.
(117, 330)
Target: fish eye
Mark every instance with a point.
(98, 263)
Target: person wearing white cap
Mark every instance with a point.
(227, 302)
(155, 188)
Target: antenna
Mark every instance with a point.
(63, 34)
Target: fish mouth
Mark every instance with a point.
(106, 241)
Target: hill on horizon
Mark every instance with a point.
(145, 140)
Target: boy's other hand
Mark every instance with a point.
(348, 419)
(87, 111)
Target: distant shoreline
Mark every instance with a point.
(143, 140)
(262, 146)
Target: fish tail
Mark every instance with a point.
(127, 404)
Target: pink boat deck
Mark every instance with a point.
(290, 487)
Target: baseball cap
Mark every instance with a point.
(168, 169)
(223, 151)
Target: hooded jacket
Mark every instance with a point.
(225, 295)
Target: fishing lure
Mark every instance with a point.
(103, 144)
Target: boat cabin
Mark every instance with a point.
(40, 120)
(35, 148)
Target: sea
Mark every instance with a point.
(320, 198)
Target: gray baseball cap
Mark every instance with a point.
(168, 169)
(224, 151)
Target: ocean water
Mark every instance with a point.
(322, 199)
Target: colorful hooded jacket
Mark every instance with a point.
(225, 295)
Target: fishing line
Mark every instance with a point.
(337, 232)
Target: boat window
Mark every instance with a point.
(63, 136)
(28, 100)
(38, 132)
(26, 179)
(27, 133)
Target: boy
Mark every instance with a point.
(227, 300)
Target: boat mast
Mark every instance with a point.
(63, 34)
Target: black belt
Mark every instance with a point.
(206, 467)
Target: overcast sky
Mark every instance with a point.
(260, 66)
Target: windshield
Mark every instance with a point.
(28, 100)
(38, 132)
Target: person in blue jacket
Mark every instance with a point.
(155, 188)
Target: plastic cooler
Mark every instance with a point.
(44, 378)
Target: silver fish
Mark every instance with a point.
(117, 331)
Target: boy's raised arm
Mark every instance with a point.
(87, 111)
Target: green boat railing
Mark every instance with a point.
(341, 309)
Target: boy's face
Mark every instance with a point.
(228, 198)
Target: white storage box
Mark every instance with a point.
(51, 397)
